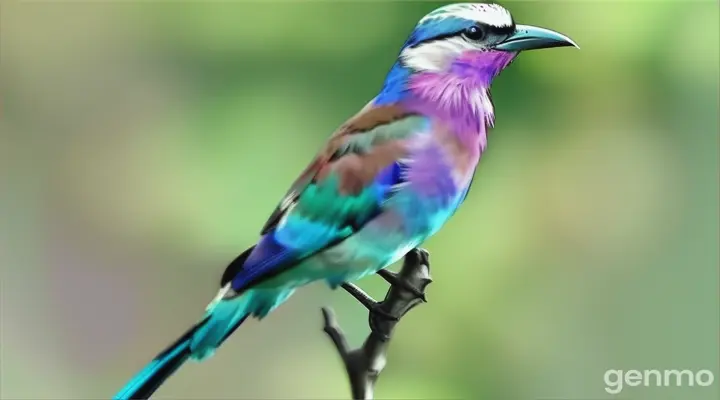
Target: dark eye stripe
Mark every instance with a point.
(436, 38)
(488, 29)
(503, 30)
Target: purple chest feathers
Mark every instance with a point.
(459, 96)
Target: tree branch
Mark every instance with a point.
(407, 290)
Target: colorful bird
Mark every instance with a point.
(385, 181)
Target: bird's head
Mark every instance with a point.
(472, 38)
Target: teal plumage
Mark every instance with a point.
(351, 213)
(343, 189)
(384, 182)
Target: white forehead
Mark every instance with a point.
(490, 14)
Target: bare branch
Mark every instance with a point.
(407, 290)
(334, 331)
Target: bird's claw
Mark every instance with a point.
(378, 311)
(372, 306)
(394, 280)
(381, 320)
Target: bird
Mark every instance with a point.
(384, 181)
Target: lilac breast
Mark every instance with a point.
(459, 97)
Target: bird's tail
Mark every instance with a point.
(223, 317)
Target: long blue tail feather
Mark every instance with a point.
(149, 379)
(198, 343)
(222, 318)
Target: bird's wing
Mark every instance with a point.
(341, 190)
(371, 125)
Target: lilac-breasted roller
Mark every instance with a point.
(385, 181)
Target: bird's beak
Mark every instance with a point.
(528, 37)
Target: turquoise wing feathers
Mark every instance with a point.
(370, 127)
(341, 190)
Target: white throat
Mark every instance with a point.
(435, 56)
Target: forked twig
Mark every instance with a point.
(407, 290)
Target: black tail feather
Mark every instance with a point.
(235, 267)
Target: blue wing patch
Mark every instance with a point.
(301, 235)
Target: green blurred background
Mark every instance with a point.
(144, 143)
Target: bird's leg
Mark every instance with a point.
(394, 280)
(367, 301)
(359, 295)
(364, 364)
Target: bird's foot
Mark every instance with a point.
(378, 311)
(394, 280)
(368, 302)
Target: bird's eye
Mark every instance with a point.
(474, 33)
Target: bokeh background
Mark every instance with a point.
(143, 145)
